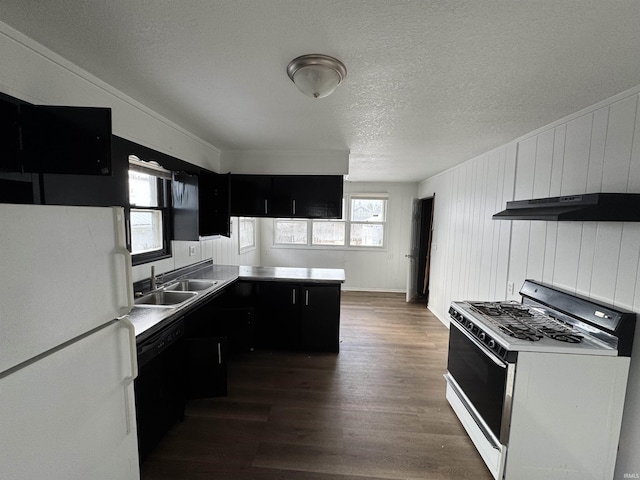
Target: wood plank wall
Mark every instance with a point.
(475, 257)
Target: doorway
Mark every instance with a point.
(425, 230)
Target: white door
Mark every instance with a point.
(70, 415)
(414, 246)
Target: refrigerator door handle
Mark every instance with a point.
(133, 351)
(133, 358)
(122, 250)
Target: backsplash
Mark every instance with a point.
(222, 250)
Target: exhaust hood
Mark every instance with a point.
(596, 207)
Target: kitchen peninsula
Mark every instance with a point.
(240, 285)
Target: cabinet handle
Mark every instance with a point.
(294, 207)
(306, 297)
(266, 202)
(219, 354)
(293, 291)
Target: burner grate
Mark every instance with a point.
(519, 321)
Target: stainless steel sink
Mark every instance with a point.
(191, 285)
(163, 298)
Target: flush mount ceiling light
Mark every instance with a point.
(316, 75)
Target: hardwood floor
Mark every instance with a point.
(377, 410)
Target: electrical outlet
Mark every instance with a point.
(192, 250)
(510, 288)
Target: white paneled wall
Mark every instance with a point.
(475, 257)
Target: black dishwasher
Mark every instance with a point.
(159, 388)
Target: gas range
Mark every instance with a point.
(520, 373)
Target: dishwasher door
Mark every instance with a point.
(160, 388)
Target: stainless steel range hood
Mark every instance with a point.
(597, 207)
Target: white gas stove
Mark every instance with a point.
(540, 385)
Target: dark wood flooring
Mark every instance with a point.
(377, 410)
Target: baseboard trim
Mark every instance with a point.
(358, 289)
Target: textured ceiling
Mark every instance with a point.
(430, 84)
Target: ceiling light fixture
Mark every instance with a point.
(316, 75)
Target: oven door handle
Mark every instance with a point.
(492, 356)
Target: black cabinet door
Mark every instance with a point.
(320, 318)
(200, 205)
(322, 197)
(307, 196)
(214, 203)
(184, 188)
(206, 352)
(66, 140)
(91, 190)
(251, 195)
(279, 312)
(206, 367)
(9, 137)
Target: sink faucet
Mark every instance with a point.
(153, 278)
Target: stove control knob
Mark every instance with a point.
(469, 326)
(482, 336)
(491, 344)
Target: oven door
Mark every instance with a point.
(483, 378)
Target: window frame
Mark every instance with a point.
(163, 190)
(346, 220)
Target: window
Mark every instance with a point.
(362, 226)
(367, 221)
(246, 234)
(291, 232)
(328, 232)
(149, 200)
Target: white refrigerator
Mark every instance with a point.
(67, 349)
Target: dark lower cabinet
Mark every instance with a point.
(237, 324)
(278, 320)
(320, 318)
(206, 367)
(206, 353)
(294, 316)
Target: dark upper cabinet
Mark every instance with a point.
(214, 194)
(251, 195)
(59, 155)
(297, 196)
(66, 140)
(200, 205)
(91, 190)
(309, 196)
(68, 189)
(9, 137)
(184, 193)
